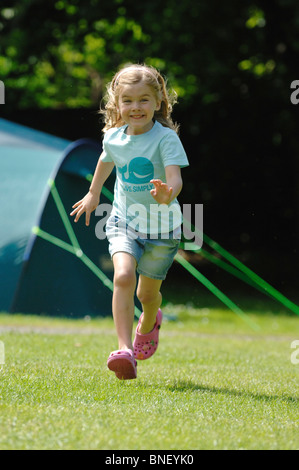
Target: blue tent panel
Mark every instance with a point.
(38, 276)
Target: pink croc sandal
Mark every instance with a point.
(122, 362)
(146, 345)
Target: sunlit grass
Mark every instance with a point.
(214, 383)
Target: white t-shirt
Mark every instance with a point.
(138, 160)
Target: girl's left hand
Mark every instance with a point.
(161, 192)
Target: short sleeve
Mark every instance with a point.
(105, 157)
(172, 151)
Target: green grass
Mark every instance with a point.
(214, 383)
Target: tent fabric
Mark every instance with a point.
(37, 275)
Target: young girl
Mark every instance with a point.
(141, 141)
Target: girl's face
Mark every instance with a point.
(137, 104)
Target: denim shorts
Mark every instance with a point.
(153, 256)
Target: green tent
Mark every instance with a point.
(48, 264)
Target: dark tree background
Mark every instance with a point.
(232, 64)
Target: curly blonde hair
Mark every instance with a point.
(132, 74)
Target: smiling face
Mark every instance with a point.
(137, 104)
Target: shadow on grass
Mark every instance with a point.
(184, 386)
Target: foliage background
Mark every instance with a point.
(231, 63)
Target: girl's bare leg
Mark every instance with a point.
(148, 292)
(123, 297)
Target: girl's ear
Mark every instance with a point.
(158, 106)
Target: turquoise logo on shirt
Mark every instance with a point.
(139, 171)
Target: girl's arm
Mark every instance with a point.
(92, 199)
(164, 193)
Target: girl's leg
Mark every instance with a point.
(148, 292)
(123, 297)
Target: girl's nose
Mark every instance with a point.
(135, 105)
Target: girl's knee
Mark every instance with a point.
(146, 296)
(124, 270)
(125, 278)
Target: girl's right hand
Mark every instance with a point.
(88, 204)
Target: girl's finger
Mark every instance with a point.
(87, 218)
(77, 204)
(156, 182)
(80, 212)
(74, 211)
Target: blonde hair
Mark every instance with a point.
(132, 74)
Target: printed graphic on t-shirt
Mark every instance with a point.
(140, 171)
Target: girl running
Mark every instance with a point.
(144, 228)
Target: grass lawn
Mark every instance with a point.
(214, 383)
